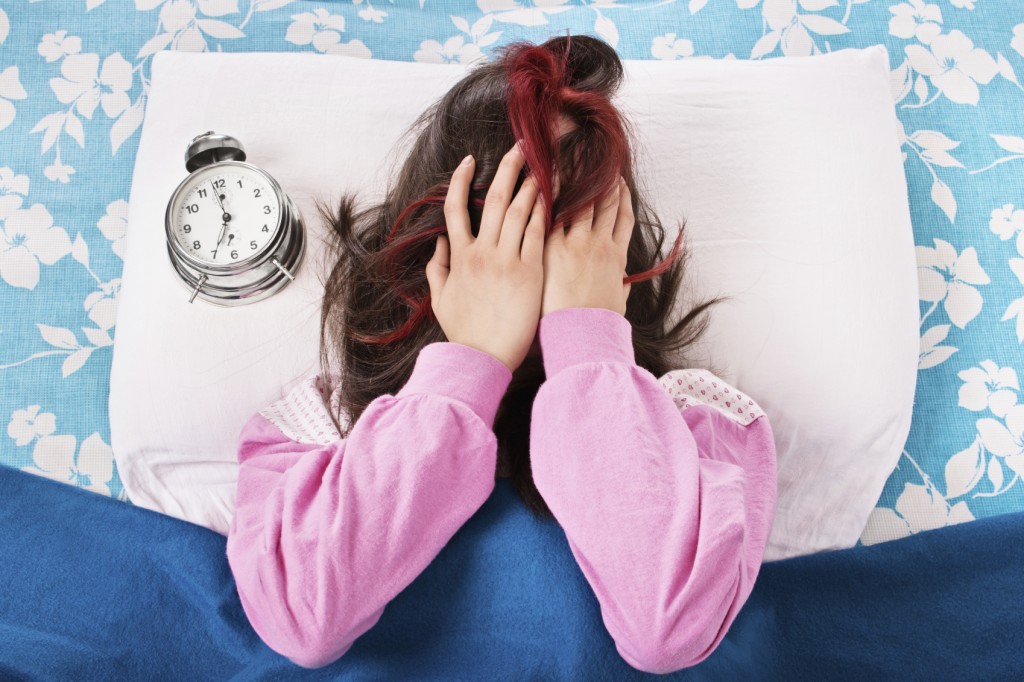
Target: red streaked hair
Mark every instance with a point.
(539, 92)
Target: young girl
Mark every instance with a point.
(512, 344)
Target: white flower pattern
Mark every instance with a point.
(1007, 221)
(915, 19)
(669, 47)
(28, 238)
(87, 85)
(454, 50)
(989, 387)
(28, 424)
(13, 190)
(949, 278)
(57, 45)
(92, 468)
(323, 31)
(954, 65)
(919, 508)
(10, 88)
(114, 225)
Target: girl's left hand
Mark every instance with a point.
(584, 265)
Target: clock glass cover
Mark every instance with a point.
(225, 214)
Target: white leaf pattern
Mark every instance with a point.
(943, 197)
(58, 336)
(75, 361)
(1006, 69)
(606, 28)
(964, 470)
(1010, 143)
(766, 44)
(80, 250)
(127, 124)
(823, 25)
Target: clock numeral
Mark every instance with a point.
(192, 208)
(187, 228)
(266, 209)
(239, 183)
(265, 229)
(202, 192)
(252, 245)
(196, 245)
(257, 191)
(219, 183)
(234, 254)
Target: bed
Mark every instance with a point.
(72, 98)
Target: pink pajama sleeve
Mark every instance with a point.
(325, 534)
(665, 495)
(665, 487)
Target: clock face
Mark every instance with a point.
(225, 214)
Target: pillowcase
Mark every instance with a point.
(787, 170)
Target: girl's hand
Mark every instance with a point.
(486, 291)
(584, 267)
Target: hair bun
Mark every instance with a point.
(574, 75)
(590, 64)
(576, 62)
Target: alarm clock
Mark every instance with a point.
(233, 235)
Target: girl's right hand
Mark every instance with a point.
(486, 290)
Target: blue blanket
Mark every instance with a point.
(97, 589)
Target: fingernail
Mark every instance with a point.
(468, 160)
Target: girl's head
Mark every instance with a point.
(556, 97)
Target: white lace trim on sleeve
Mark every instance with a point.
(303, 415)
(690, 387)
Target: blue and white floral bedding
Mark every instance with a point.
(74, 78)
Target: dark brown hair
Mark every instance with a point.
(376, 313)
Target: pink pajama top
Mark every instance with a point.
(665, 488)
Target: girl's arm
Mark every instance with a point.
(327, 531)
(665, 494)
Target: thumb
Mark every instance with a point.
(438, 268)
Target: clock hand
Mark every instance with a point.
(223, 229)
(220, 203)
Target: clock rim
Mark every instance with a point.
(252, 260)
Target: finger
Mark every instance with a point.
(607, 211)
(533, 238)
(625, 221)
(518, 215)
(499, 195)
(456, 211)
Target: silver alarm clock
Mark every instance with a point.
(233, 235)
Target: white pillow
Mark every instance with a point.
(789, 173)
